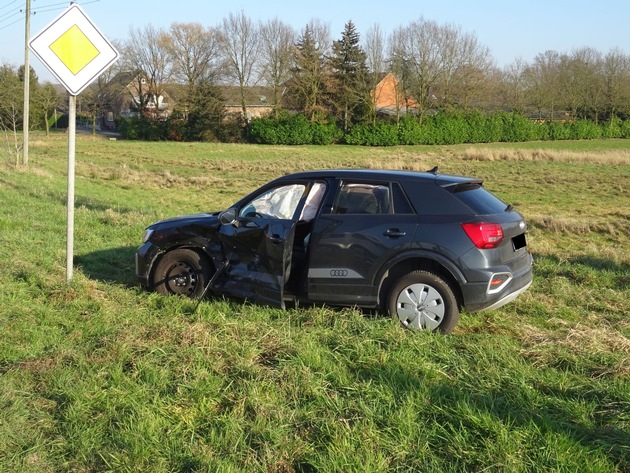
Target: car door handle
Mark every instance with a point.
(275, 239)
(394, 233)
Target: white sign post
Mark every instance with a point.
(76, 53)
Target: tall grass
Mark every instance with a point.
(98, 375)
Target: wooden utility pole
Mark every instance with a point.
(27, 83)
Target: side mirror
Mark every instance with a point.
(228, 217)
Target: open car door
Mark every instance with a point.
(259, 251)
(258, 242)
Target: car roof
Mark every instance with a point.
(443, 180)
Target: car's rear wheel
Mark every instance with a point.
(181, 272)
(422, 300)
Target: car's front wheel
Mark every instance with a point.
(182, 272)
(422, 300)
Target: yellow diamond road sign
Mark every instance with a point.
(73, 49)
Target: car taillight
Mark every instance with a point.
(484, 235)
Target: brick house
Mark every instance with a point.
(389, 99)
(258, 101)
(122, 95)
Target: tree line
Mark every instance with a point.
(44, 100)
(440, 69)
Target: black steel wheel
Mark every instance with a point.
(181, 272)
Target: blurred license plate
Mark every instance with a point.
(519, 242)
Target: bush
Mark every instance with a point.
(291, 130)
(612, 129)
(127, 128)
(442, 129)
(380, 134)
(558, 130)
(585, 130)
(141, 128)
(439, 129)
(410, 131)
(326, 133)
(483, 128)
(262, 131)
(518, 128)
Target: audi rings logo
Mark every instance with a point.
(338, 273)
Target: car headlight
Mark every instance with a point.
(147, 234)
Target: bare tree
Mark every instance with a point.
(278, 47)
(587, 67)
(240, 41)
(374, 47)
(515, 93)
(543, 77)
(146, 53)
(195, 52)
(399, 65)
(417, 61)
(321, 35)
(11, 111)
(467, 67)
(47, 98)
(578, 74)
(616, 81)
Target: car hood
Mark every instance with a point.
(192, 219)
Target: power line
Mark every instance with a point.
(13, 22)
(49, 9)
(9, 14)
(51, 5)
(41, 9)
(6, 26)
(54, 6)
(8, 4)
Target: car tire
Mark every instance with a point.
(181, 272)
(422, 300)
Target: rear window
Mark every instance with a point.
(479, 199)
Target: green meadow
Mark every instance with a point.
(99, 375)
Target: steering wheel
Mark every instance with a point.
(253, 214)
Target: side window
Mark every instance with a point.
(279, 202)
(401, 204)
(362, 198)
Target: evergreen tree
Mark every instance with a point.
(206, 112)
(350, 77)
(308, 86)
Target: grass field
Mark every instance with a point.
(98, 375)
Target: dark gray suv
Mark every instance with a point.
(418, 245)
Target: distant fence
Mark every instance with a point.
(86, 124)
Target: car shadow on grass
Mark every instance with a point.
(113, 265)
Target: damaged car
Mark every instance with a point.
(421, 246)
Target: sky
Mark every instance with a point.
(511, 29)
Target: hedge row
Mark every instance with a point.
(176, 129)
(438, 129)
(292, 130)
